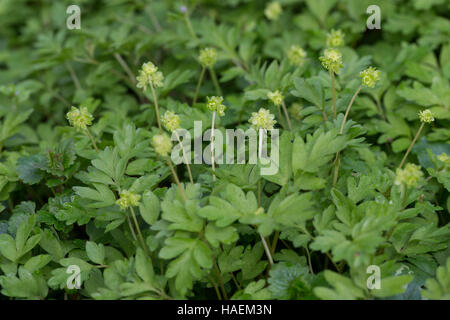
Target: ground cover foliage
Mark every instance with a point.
(364, 167)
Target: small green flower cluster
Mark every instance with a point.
(162, 144)
(296, 55)
(273, 10)
(128, 199)
(149, 75)
(332, 60)
(408, 176)
(171, 121)
(262, 119)
(426, 116)
(335, 39)
(80, 118)
(208, 57)
(215, 104)
(370, 76)
(276, 97)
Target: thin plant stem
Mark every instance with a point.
(189, 26)
(309, 259)
(219, 276)
(175, 176)
(214, 79)
(125, 67)
(281, 117)
(185, 158)
(348, 109)
(213, 160)
(141, 237)
(275, 241)
(333, 86)
(341, 131)
(156, 107)
(197, 89)
(266, 248)
(153, 19)
(216, 288)
(131, 228)
(286, 114)
(412, 144)
(74, 76)
(235, 280)
(92, 139)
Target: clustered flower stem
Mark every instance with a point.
(177, 180)
(92, 139)
(189, 25)
(286, 114)
(333, 86)
(214, 79)
(212, 145)
(197, 89)
(141, 237)
(411, 145)
(156, 107)
(341, 131)
(185, 158)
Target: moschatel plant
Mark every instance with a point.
(89, 120)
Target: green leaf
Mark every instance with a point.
(317, 151)
(31, 168)
(95, 252)
(150, 207)
(216, 235)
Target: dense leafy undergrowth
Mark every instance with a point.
(91, 187)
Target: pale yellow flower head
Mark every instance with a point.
(370, 77)
(80, 118)
(208, 57)
(128, 199)
(409, 176)
(273, 10)
(262, 119)
(162, 144)
(296, 55)
(170, 121)
(276, 97)
(335, 39)
(332, 60)
(215, 104)
(444, 158)
(426, 116)
(149, 74)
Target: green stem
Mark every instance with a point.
(92, 139)
(412, 144)
(214, 79)
(185, 158)
(141, 237)
(337, 161)
(334, 94)
(348, 109)
(286, 114)
(212, 145)
(197, 89)
(189, 26)
(156, 107)
(175, 176)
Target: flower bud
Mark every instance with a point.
(162, 144)
(128, 199)
(273, 10)
(80, 119)
(296, 55)
(262, 119)
(409, 176)
(276, 97)
(335, 39)
(370, 76)
(170, 121)
(215, 104)
(208, 57)
(332, 60)
(426, 116)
